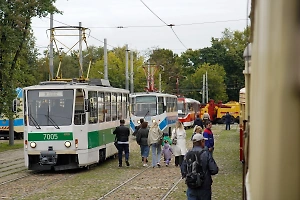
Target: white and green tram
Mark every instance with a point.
(70, 124)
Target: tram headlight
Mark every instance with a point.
(67, 144)
(138, 122)
(153, 120)
(32, 144)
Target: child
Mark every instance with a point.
(167, 152)
(167, 138)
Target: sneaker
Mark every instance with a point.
(145, 165)
(158, 165)
(167, 165)
(127, 164)
(120, 165)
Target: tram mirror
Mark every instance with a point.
(86, 105)
(14, 106)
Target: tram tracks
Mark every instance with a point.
(139, 185)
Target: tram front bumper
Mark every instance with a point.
(48, 157)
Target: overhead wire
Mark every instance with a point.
(154, 13)
(159, 26)
(89, 34)
(170, 25)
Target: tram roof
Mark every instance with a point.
(66, 85)
(152, 94)
(188, 100)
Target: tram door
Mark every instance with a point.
(80, 128)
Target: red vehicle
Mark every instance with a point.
(187, 111)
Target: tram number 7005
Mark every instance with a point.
(50, 136)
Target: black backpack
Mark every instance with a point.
(194, 173)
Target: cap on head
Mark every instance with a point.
(198, 137)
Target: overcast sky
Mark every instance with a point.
(102, 17)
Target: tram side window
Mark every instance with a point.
(119, 106)
(114, 106)
(93, 115)
(79, 116)
(132, 106)
(169, 104)
(160, 105)
(101, 108)
(107, 107)
(124, 106)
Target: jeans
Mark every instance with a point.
(156, 153)
(197, 194)
(121, 148)
(144, 151)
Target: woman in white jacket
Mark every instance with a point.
(180, 148)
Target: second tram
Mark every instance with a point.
(187, 111)
(153, 106)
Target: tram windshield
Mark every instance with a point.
(181, 108)
(144, 106)
(50, 107)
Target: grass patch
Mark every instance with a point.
(227, 184)
(4, 146)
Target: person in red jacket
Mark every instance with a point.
(208, 134)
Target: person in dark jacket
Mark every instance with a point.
(198, 121)
(142, 140)
(209, 166)
(122, 134)
(227, 121)
(137, 128)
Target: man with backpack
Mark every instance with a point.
(197, 168)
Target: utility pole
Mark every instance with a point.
(131, 72)
(206, 88)
(80, 49)
(11, 131)
(105, 60)
(51, 48)
(203, 88)
(159, 86)
(126, 69)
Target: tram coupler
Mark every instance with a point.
(48, 157)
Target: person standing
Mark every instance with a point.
(167, 152)
(198, 121)
(227, 120)
(179, 149)
(209, 167)
(137, 128)
(205, 118)
(209, 136)
(154, 137)
(197, 130)
(122, 134)
(142, 140)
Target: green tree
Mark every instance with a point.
(116, 69)
(167, 59)
(216, 86)
(15, 20)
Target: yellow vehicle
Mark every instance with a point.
(218, 110)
